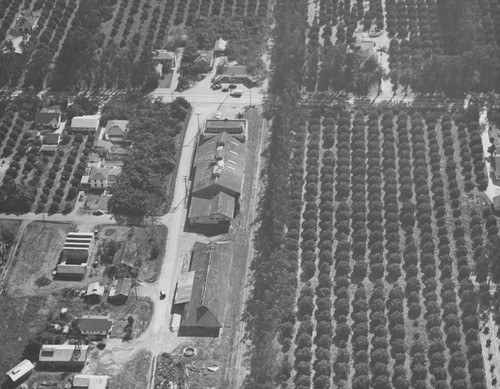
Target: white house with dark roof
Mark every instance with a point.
(95, 326)
(99, 178)
(87, 124)
(48, 117)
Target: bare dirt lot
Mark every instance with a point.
(37, 256)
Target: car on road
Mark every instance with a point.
(81, 197)
(98, 212)
(232, 86)
(163, 294)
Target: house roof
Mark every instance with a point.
(114, 173)
(52, 138)
(220, 45)
(48, 148)
(95, 289)
(116, 127)
(88, 121)
(221, 204)
(95, 324)
(103, 144)
(118, 150)
(93, 158)
(184, 287)
(63, 353)
(99, 173)
(205, 55)
(90, 381)
(219, 161)
(47, 115)
(120, 287)
(20, 370)
(211, 263)
(126, 254)
(160, 55)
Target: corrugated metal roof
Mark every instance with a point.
(91, 323)
(221, 204)
(184, 287)
(71, 269)
(211, 263)
(231, 172)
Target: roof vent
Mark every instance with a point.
(219, 152)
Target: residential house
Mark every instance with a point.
(205, 57)
(95, 327)
(49, 118)
(68, 356)
(113, 176)
(99, 178)
(119, 291)
(94, 160)
(219, 167)
(95, 291)
(218, 210)
(84, 381)
(204, 294)
(220, 47)
(165, 58)
(26, 22)
(102, 147)
(365, 50)
(87, 124)
(48, 149)
(19, 373)
(52, 138)
(116, 131)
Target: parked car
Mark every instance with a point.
(237, 93)
(163, 294)
(232, 86)
(98, 212)
(225, 89)
(216, 86)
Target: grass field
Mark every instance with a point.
(37, 255)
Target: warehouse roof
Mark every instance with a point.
(87, 121)
(90, 381)
(221, 204)
(220, 161)
(91, 323)
(120, 287)
(184, 287)
(211, 263)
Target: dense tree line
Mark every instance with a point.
(274, 272)
(142, 188)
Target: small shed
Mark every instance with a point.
(19, 372)
(95, 291)
(120, 290)
(84, 381)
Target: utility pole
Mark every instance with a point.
(43, 218)
(250, 97)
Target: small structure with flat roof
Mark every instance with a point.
(84, 381)
(19, 372)
(95, 291)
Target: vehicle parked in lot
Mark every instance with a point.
(98, 212)
(232, 86)
(216, 86)
(237, 93)
(225, 89)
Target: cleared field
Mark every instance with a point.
(37, 256)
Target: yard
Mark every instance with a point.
(37, 256)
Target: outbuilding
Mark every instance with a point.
(19, 372)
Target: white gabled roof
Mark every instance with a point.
(88, 121)
(20, 370)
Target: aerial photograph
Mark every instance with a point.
(249, 194)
